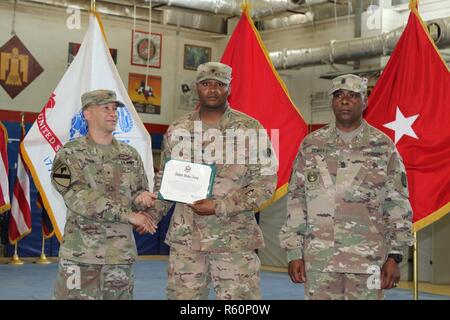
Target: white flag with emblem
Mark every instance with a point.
(61, 119)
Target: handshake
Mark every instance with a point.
(142, 221)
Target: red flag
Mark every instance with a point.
(257, 90)
(47, 226)
(20, 220)
(4, 184)
(410, 104)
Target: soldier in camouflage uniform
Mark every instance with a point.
(348, 214)
(104, 186)
(213, 240)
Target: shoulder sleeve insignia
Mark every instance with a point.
(62, 176)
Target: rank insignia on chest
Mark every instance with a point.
(312, 176)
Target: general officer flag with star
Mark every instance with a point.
(410, 103)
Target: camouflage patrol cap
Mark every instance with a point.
(98, 97)
(349, 82)
(214, 71)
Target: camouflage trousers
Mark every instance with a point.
(78, 281)
(340, 286)
(234, 275)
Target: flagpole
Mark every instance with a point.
(15, 259)
(93, 5)
(414, 5)
(43, 258)
(415, 269)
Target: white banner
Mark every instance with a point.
(61, 119)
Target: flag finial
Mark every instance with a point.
(413, 4)
(245, 7)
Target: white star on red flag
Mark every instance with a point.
(402, 125)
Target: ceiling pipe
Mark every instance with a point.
(124, 8)
(259, 9)
(355, 49)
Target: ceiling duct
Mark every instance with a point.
(318, 2)
(259, 9)
(185, 13)
(313, 14)
(355, 49)
(125, 9)
(195, 21)
(168, 10)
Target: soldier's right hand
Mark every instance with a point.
(142, 223)
(296, 270)
(146, 199)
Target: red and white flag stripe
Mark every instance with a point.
(20, 221)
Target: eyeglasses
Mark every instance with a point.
(340, 94)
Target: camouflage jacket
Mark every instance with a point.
(239, 189)
(347, 205)
(98, 185)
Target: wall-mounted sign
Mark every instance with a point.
(18, 67)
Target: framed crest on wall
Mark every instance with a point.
(142, 49)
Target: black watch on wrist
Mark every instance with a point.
(396, 257)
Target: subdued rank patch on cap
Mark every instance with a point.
(62, 176)
(214, 71)
(350, 82)
(312, 176)
(99, 97)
